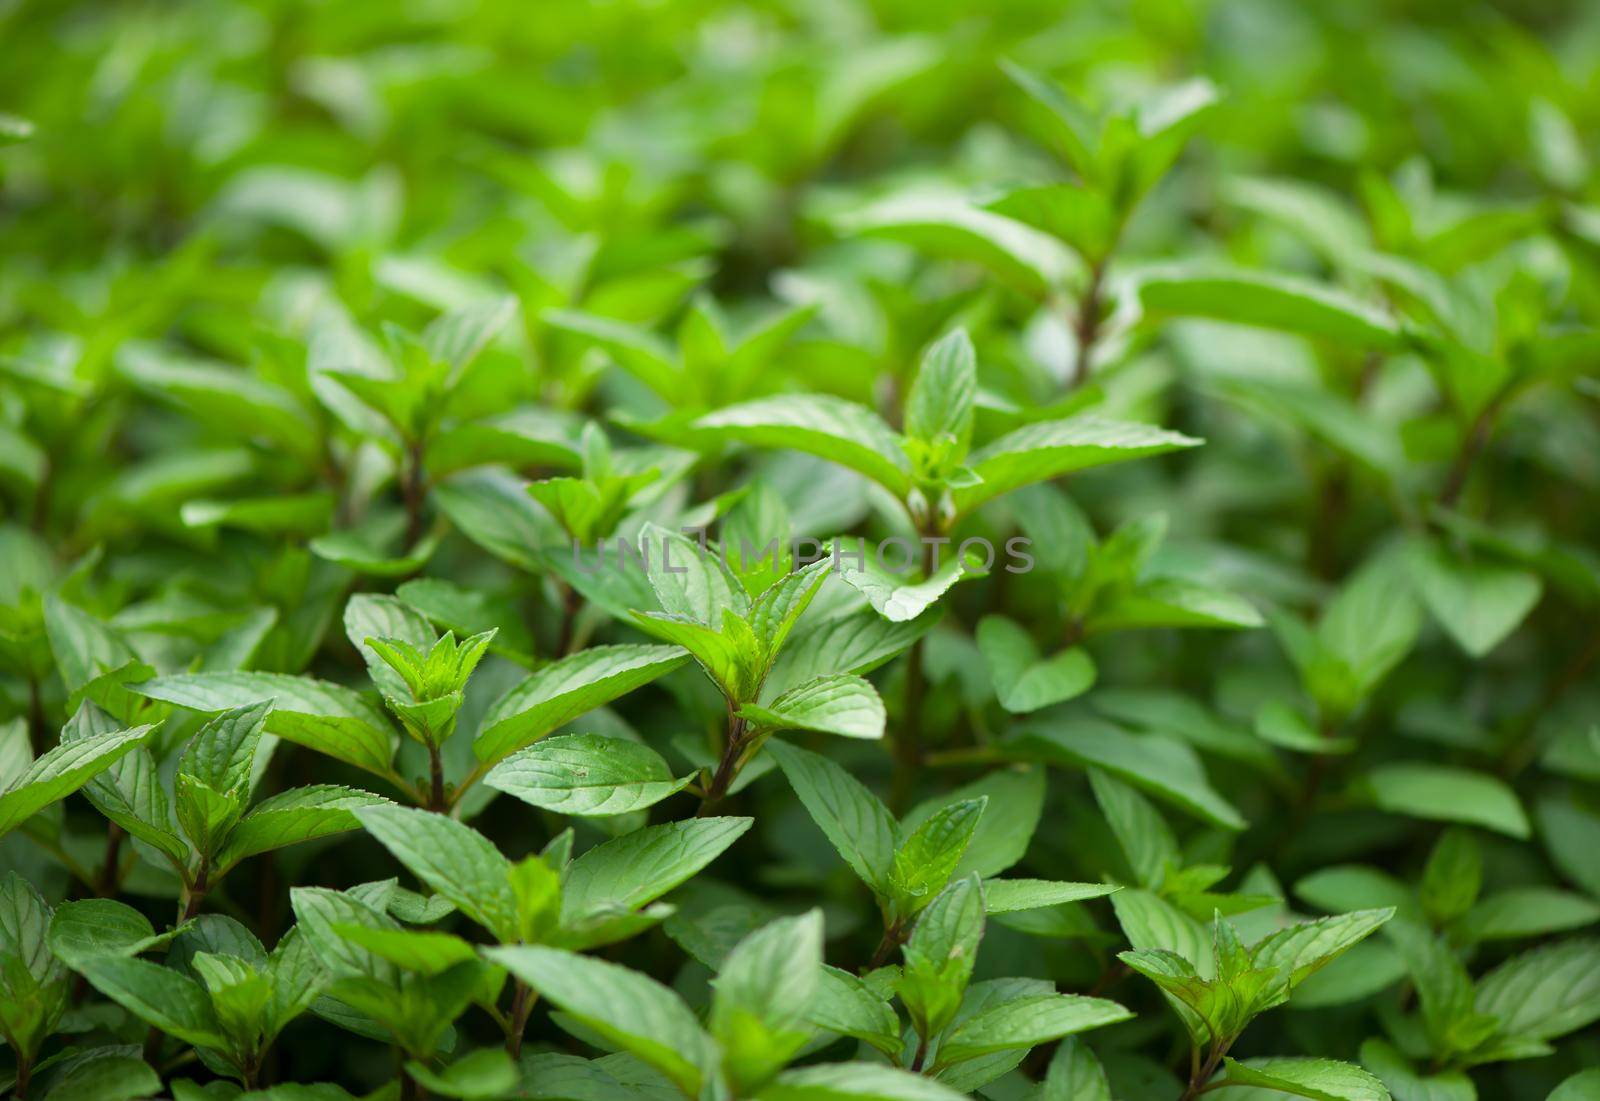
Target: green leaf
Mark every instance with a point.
(586, 774)
(1026, 1023)
(1545, 993)
(477, 1076)
(831, 428)
(762, 995)
(1299, 951)
(894, 592)
(690, 581)
(419, 950)
(62, 771)
(1583, 1086)
(854, 1082)
(629, 1010)
(1075, 1075)
(1167, 769)
(93, 927)
(566, 689)
(928, 857)
(639, 352)
(1015, 803)
(1478, 603)
(1317, 1079)
(953, 229)
(845, 1005)
(629, 871)
(1145, 837)
(1007, 896)
(370, 616)
(1383, 1060)
(454, 859)
(222, 753)
(854, 820)
(293, 816)
(1444, 793)
(856, 642)
(1519, 912)
(940, 955)
(836, 704)
(84, 647)
(1268, 300)
(940, 405)
(1071, 127)
(174, 1003)
(457, 337)
(1023, 680)
(1048, 449)
(328, 718)
(102, 1074)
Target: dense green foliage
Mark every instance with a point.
(764, 550)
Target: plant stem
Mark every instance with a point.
(893, 937)
(521, 1006)
(1086, 323)
(571, 604)
(19, 1089)
(195, 893)
(1199, 1078)
(436, 796)
(907, 742)
(36, 720)
(106, 884)
(414, 491)
(921, 1056)
(410, 1088)
(1472, 445)
(728, 767)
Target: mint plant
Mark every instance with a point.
(777, 552)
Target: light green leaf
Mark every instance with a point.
(477, 1076)
(293, 816)
(158, 995)
(817, 424)
(1317, 1079)
(626, 872)
(1478, 603)
(62, 771)
(586, 774)
(1049, 449)
(1158, 765)
(762, 995)
(1007, 896)
(630, 1010)
(454, 859)
(837, 704)
(328, 718)
(566, 689)
(1545, 993)
(854, 1082)
(844, 1004)
(1445, 793)
(1268, 300)
(1025, 1023)
(854, 820)
(92, 927)
(1519, 912)
(1015, 803)
(928, 857)
(896, 593)
(940, 405)
(1023, 680)
(953, 229)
